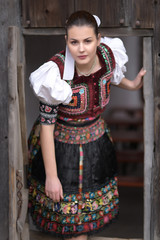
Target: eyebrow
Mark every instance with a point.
(77, 40)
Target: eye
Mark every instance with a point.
(74, 42)
(88, 40)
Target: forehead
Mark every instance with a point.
(81, 32)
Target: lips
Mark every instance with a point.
(82, 57)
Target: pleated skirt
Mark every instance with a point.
(87, 169)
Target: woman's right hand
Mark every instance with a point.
(53, 189)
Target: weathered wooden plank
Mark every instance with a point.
(13, 131)
(25, 234)
(107, 11)
(109, 15)
(10, 14)
(148, 133)
(46, 13)
(4, 134)
(104, 31)
(155, 216)
(142, 14)
(115, 13)
(21, 94)
(18, 197)
(92, 6)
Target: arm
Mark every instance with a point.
(53, 187)
(135, 84)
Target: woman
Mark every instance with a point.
(73, 187)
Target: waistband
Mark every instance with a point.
(77, 124)
(81, 134)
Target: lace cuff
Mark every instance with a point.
(48, 113)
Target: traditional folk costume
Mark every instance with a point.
(85, 155)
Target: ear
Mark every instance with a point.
(65, 38)
(99, 39)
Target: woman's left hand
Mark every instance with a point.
(135, 84)
(138, 81)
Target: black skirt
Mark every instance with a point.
(86, 166)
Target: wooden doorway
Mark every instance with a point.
(145, 56)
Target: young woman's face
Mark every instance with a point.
(82, 43)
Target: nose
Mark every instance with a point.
(81, 47)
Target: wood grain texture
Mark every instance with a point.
(148, 133)
(18, 197)
(117, 20)
(155, 216)
(115, 13)
(92, 6)
(10, 14)
(46, 13)
(142, 14)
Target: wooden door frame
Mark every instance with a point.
(148, 134)
(147, 36)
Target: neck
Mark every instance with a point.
(86, 70)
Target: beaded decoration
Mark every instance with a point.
(83, 103)
(77, 213)
(80, 100)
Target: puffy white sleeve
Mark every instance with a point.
(120, 56)
(48, 85)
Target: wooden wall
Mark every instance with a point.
(9, 15)
(115, 13)
(119, 17)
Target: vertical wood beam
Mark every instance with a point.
(18, 196)
(155, 214)
(10, 14)
(148, 133)
(13, 130)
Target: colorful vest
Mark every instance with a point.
(91, 93)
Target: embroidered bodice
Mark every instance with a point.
(90, 94)
(82, 97)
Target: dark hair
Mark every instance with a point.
(81, 18)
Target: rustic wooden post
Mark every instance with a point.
(148, 133)
(10, 14)
(155, 214)
(18, 195)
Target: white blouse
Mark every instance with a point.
(51, 89)
(120, 56)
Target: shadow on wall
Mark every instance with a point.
(38, 50)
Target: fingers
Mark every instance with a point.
(53, 189)
(56, 197)
(61, 194)
(142, 72)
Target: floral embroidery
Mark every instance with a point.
(104, 85)
(48, 109)
(77, 135)
(57, 217)
(48, 113)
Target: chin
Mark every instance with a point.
(82, 62)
